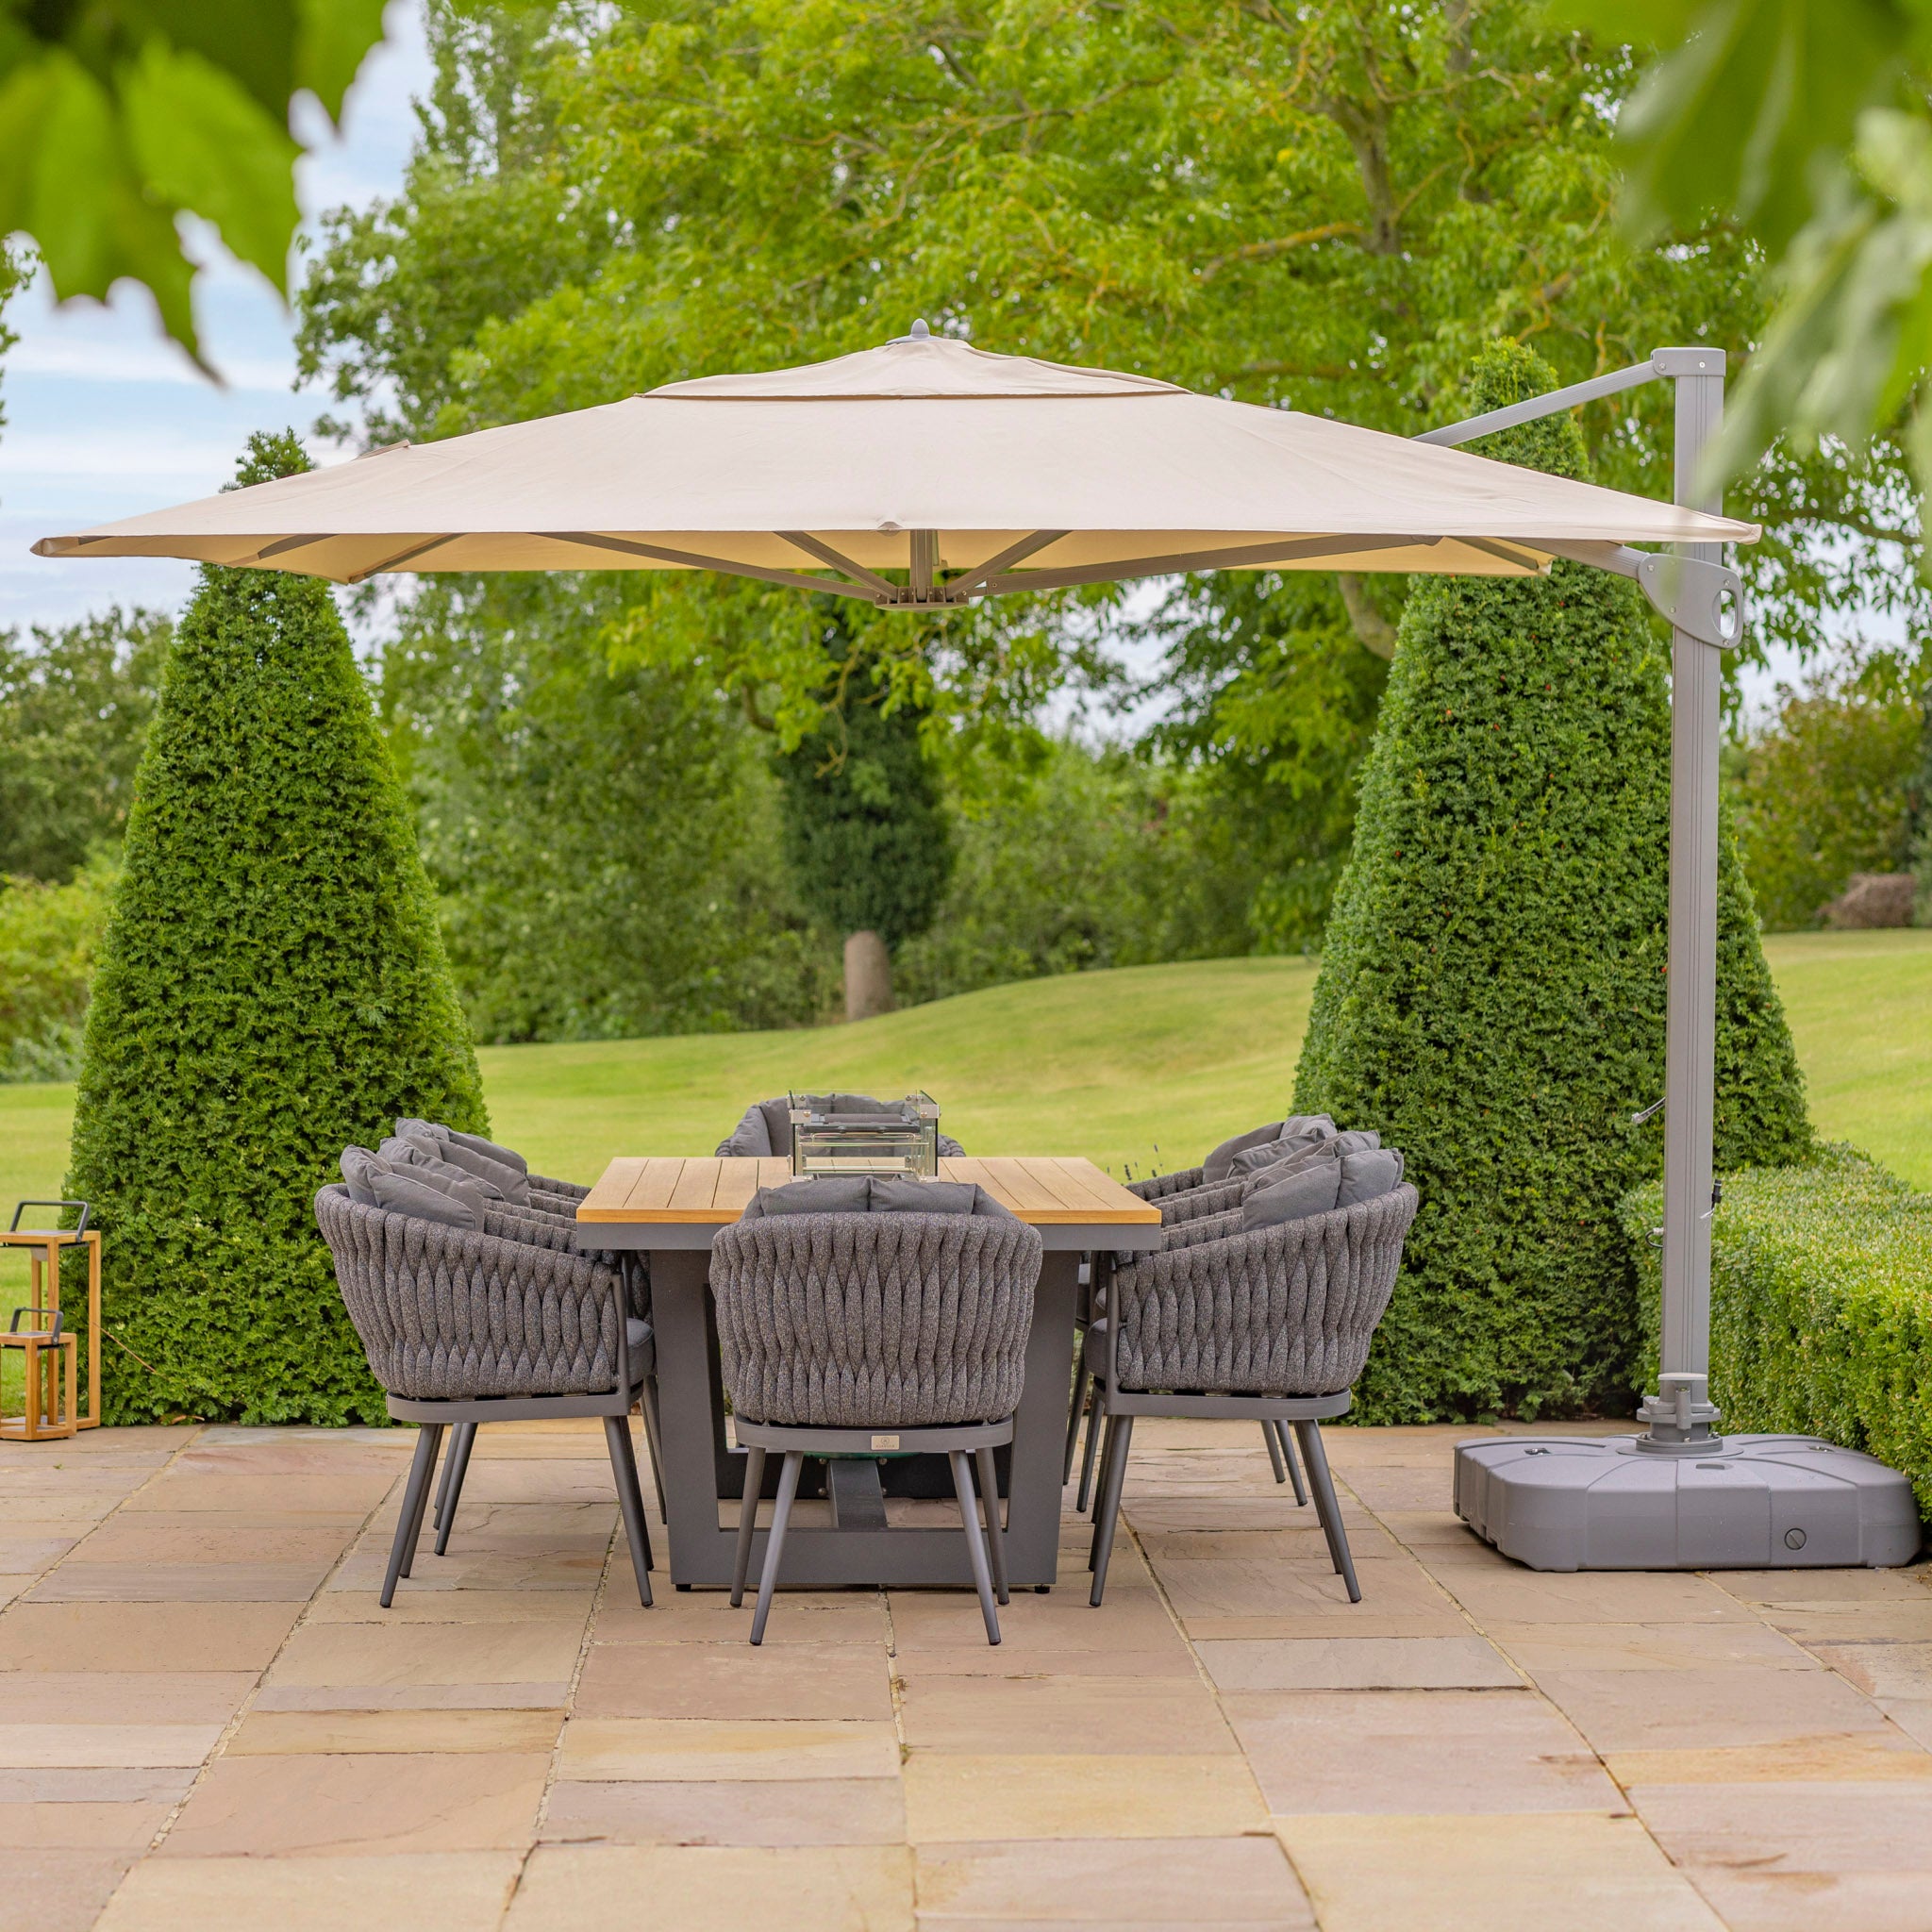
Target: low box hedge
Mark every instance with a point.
(1820, 1305)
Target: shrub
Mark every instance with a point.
(1823, 790)
(48, 935)
(271, 986)
(1492, 992)
(1821, 1316)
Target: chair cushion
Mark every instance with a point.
(475, 1143)
(1312, 1189)
(1220, 1163)
(1368, 1173)
(1271, 1154)
(876, 1193)
(359, 1168)
(511, 1183)
(415, 1151)
(459, 1204)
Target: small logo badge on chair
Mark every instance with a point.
(885, 1441)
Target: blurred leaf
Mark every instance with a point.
(118, 115)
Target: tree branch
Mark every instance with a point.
(1373, 631)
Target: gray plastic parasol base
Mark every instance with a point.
(1742, 1503)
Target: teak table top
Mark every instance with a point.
(1046, 1190)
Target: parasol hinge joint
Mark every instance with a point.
(1705, 600)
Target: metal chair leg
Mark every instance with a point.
(456, 1467)
(630, 1499)
(1326, 1508)
(1110, 1440)
(1274, 1442)
(1085, 1497)
(456, 1442)
(774, 1541)
(995, 1529)
(975, 1547)
(1107, 1515)
(1294, 1471)
(415, 1499)
(747, 1520)
(1082, 1381)
(649, 1404)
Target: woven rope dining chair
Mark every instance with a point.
(1269, 1323)
(874, 1333)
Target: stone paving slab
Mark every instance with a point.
(206, 1719)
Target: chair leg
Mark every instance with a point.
(415, 1499)
(975, 1547)
(747, 1521)
(630, 1499)
(1107, 1513)
(456, 1467)
(1081, 1383)
(774, 1541)
(649, 1405)
(1109, 1441)
(995, 1530)
(1085, 1498)
(1294, 1469)
(1326, 1508)
(1274, 1442)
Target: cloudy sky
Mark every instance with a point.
(105, 417)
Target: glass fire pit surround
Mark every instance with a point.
(902, 1139)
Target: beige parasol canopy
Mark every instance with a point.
(965, 474)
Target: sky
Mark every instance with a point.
(105, 417)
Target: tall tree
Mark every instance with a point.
(270, 988)
(865, 831)
(1492, 992)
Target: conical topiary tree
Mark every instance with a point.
(1493, 985)
(271, 986)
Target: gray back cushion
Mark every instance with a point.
(1220, 1163)
(1368, 1175)
(511, 1183)
(1356, 1141)
(877, 1194)
(360, 1168)
(1312, 1189)
(475, 1143)
(408, 1191)
(1271, 1154)
(412, 1151)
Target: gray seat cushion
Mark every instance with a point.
(764, 1131)
(1319, 1186)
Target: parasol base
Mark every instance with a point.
(1735, 1502)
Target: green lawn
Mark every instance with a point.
(1105, 1064)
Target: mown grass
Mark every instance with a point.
(1140, 1068)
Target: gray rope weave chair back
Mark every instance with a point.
(1285, 1310)
(855, 1321)
(455, 1314)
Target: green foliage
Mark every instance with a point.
(605, 842)
(866, 836)
(1827, 789)
(1491, 994)
(48, 938)
(116, 119)
(1808, 125)
(1274, 700)
(1100, 860)
(271, 987)
(1820, 1305)
(74, 712)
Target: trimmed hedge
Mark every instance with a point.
(1821, 1289)
(271, 987)
(1491, 994)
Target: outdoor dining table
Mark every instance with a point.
(671, 1209)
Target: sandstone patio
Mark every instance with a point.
(205, 1720)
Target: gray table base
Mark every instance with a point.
(857, 1549)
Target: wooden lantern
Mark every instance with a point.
(48, 1395)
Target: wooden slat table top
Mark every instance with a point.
(1044, 1189)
